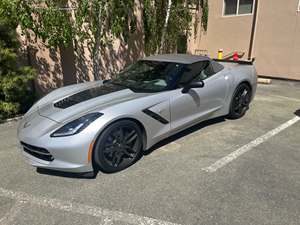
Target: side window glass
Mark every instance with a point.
(217, 66)
(192, 72)
(207, 72)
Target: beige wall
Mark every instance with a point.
(277, 39)
(73, 65)
(277, 44)
(276, 48)
(230, 33)
(47, 64)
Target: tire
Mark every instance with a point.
(118, 147)
(240, 101)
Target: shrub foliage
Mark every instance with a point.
(16, 94)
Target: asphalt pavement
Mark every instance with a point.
(244, 171)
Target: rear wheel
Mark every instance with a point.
(240, 101)
(118, 147)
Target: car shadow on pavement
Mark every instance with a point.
(184, 133)
(297, 112)
(88, 175)
(179, 135)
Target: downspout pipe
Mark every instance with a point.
(253, 30)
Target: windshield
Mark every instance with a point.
(149, 76)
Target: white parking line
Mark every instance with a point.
(272, 98)
(286, 98)
(107, 216)
(10, 216)
(232, 156)
(170, 147)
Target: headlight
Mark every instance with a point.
(76, 126)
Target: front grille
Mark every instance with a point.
(40, 153)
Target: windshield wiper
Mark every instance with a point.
(134, 89)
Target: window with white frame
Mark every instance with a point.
(298, 6)
(238, 7)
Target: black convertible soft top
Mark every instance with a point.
(214, 66)
(177, 58)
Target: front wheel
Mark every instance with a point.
(118, 147)
(240, 101)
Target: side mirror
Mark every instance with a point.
(188, 87)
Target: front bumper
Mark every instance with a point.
(58, 163)
(67, 154)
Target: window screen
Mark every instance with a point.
(238, 7)
(245, 6)
(230, 7)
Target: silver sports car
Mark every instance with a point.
(107, 125)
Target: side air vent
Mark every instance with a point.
(155, 116)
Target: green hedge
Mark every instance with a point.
(16, 94)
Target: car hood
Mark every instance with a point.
(68, 103)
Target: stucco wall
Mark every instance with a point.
(277, 43)
(47, 63)
(277, 40)
(59, 67)
(230, 33)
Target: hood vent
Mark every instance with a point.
(87, 95)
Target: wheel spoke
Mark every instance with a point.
(108, 145)
(132, 138)
(127, 147)
(129, 134)
(244, 93)
(236, 108)
(247, 99)
(130, 149)
(121, 134)
(108, 149)
(240, 110)
(116, 160)
(128, 154)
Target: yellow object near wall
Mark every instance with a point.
(220, 54)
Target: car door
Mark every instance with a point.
(199, 103)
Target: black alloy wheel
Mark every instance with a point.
(118, 147)
(240, 101)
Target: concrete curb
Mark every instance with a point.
(264, 81)
(17, 118)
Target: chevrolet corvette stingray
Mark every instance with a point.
(108, 124)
